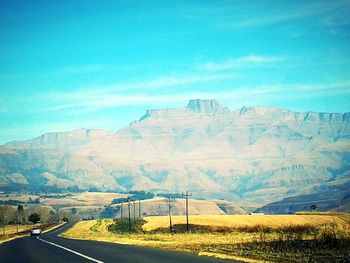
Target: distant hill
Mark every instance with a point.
(332, 198)
(251, 154)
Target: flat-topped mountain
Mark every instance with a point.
(206, 106)
(250, 154)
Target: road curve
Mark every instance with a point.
(51, 248)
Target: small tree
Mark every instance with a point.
(54, 217)
(7, 213)
(44, 213)
(64, 215)
(34, 218)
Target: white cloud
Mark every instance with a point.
(242, 62)
(93, 102)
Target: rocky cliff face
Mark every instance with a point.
(250, 154)
(206, 106)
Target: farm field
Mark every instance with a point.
(236, 221)
(90, 205)
(158, 206)
(82, 199)
(68, 199)
(293, 238)
(84, 205)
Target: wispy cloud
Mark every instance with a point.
(328, 13)
(242, 62)
(159, 83)
(92, 102)
(135, 93)
(173, 81)
(342, 86)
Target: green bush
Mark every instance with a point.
(34, 218)
(124, 226)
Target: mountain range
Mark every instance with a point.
(252, 154)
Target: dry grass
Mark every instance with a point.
(83, 199)
(12, 229)
(158, 206)
(97, 230)
(97, 198)
(20, 197)
(23, 230)
(292, 238)
(239, 221)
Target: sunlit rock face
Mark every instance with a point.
(206, 106)
(250, 154)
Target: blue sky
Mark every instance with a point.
(101, 64)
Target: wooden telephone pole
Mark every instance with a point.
(170, 205)
(139, 208)
(134, 204)
(129, 204)
(187, 195)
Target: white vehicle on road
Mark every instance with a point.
(35, 231)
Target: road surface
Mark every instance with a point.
(51, 248)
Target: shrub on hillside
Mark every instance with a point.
(124, 226)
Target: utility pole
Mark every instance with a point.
(170, 205)
(134, 212)
(129, 204)
(139, 208)
(121, 210)
(187, 194)
(19, 215)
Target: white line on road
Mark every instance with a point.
(70, 250)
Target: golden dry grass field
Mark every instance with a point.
(256, 246)
(236, 221)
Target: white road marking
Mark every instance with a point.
(70, 250)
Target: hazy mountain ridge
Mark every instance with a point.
(331, 198)
(255, 154)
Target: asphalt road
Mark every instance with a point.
(51, 248)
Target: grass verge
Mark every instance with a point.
(24, 230)
(251, 243)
